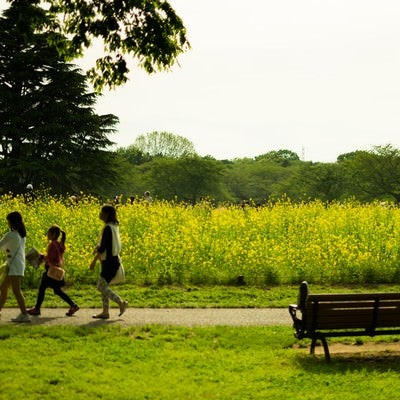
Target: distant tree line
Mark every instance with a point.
(361, 175)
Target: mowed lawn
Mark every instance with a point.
(165, 362)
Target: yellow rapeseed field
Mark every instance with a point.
(168, 243)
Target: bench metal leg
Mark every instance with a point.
(324, 344)
(326, 349)
(312, 347)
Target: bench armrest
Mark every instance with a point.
(295, 312)
(293, 308)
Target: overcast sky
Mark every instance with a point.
(320, 78)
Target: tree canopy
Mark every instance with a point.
(149, 31)
(375, 174)
(283, 157)
(49, 132)
(165, 144)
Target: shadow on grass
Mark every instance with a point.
(42, 320)
(91, 324)
(354, 360)
(100, 322)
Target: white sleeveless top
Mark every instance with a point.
(14, 245)
(116, 241)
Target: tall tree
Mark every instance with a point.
(375, 174)
(164, 144)
(132, 155)
(49, 132)
(282, 157)
(259, 180)
(149, 31)
(323, 181)
(186, 179)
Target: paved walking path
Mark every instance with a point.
(164, 316)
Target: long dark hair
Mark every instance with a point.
(56, 231)
(16, 223)
(110, 213)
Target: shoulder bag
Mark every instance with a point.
(119, 276)
(56, 273)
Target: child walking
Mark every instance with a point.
(54, 258)
(13, 243)
(108, 252)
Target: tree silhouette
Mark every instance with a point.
(149, 32)
(49, 132)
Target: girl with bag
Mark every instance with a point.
(108, 252)
(13, 243)
(53, 277)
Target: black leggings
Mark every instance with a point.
(57, 289)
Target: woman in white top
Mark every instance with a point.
(108, 252)
(13, 243)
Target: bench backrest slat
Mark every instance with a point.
(349, 320)
(356, 305)
(351, 311)
(353, 296)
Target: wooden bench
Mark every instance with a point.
(318, 316)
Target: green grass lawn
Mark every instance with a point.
(159, 362)
(164, 362)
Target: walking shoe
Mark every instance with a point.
(72, 310)
(122, 307)
(33, 311)
(21, 318)
(101, 316)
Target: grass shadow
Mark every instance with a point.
(100, 322)
(356, 358)
(42, 320)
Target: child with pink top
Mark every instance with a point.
(53, 258)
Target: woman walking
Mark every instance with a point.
(108, 252)
(53, 258)
(13, 243)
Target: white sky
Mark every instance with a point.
(320, 78)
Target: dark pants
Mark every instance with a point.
(47, 282)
